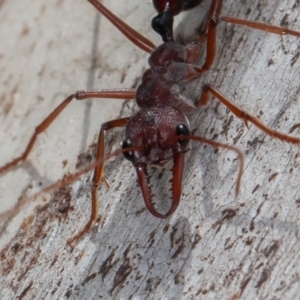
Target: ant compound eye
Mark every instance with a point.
(182, 129)
(129, 154)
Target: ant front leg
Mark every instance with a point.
(79, 95)
(98, 175)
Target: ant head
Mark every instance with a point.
(156, 130)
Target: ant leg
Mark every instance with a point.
(209, 31)
(259, 26)
(98, 175)
(211, 23)
(211, 46)
(210, 35)
(79, 95)
(215, 9)
(243, 115)
(129, 32)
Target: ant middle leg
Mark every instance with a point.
(241, 114)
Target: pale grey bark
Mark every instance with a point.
(214, 246)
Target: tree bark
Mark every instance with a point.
(215, 246)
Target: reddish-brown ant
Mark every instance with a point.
(160, 132)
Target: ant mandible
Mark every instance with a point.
(160, 131)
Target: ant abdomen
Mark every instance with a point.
(173, 6)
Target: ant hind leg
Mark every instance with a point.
(135, 37)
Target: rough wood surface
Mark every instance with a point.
(214, 246)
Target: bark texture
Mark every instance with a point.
(215, 246)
